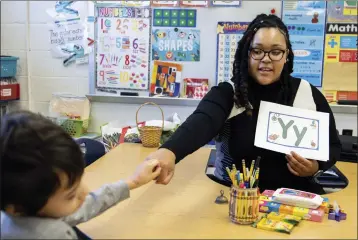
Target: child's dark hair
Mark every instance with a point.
(33, 150)
(240, 69)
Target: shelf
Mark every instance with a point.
(185, 102)
(140, 100)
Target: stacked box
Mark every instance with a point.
(267, 205)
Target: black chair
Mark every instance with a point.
(93, 149)
(332, 179)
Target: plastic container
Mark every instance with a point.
(8, 66)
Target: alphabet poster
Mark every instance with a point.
(123, 48)
(176, 44)
(305, 21)
(284, 129)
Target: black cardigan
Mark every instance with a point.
(209, 118)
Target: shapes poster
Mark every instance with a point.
(228, 36)
(194, 3)
(305, 21)
(341, 42)
(176, 44)
(284, 129)
(342, 11)
(226, 3)
(166, 79)
(174, 17)
(123, 47)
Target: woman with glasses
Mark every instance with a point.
(261, 72)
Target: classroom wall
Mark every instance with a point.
(24, 33)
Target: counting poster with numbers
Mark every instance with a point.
(123, 35)
(228, 36)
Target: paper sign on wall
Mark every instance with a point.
(165, 3)
(284, 129)
(226, 3)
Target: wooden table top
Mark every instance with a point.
(185, 208)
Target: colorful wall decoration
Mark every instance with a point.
(305, 21)
(228, 36)
(194, 3)
(342, 11)
(341, 42)
(165, 3)
(176, 44)
(166, 79)
(226, 3)
(340, 62)
(123, 48)
(174, 17)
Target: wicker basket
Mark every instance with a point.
(150, 135)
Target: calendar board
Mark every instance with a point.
(228, 36)
(123, 40)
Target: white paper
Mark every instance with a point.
(65, 37)
(307, 132)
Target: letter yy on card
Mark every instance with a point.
(284, 129)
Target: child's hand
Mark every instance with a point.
(146, 172)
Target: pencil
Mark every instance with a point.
(252, 167)
(244, 169)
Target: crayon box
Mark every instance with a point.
(266, 205)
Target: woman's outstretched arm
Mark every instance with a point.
(204, 124)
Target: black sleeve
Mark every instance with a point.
(205, 122)
(334, 142)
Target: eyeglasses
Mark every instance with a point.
(259, 54)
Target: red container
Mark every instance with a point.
(10, 92)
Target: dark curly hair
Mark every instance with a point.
(240, 68)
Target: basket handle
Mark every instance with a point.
(150, 103)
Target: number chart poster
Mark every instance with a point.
(228, 36)
(176, 44)
(123, 48)
(305, 21)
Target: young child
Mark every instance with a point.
(42, 193)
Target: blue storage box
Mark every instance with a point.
(8, 66)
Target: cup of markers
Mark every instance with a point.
(244, 193)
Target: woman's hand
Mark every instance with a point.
(301, 166)
(166, 160)
(146, 172)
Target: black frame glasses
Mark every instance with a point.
(269, 53)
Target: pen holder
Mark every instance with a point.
(243, 205)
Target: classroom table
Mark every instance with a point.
(185, 207)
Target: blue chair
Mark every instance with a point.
(93, 149)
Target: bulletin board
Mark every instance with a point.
(340, 63)
(200, 60)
